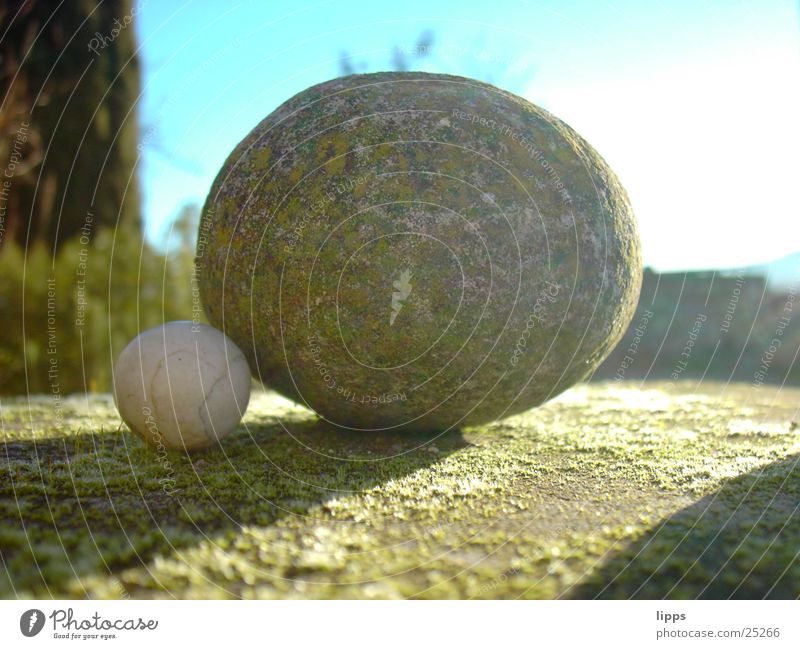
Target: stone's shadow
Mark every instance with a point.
(114, 503)
(742, 541)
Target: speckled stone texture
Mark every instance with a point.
(417, 251)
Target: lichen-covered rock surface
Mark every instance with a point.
(416, 251)
(623, 490)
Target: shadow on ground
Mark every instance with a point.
(742, 541)
(94, 504)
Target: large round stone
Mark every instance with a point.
(417, 251)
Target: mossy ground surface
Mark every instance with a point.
(611, 490)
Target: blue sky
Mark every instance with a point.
(694, 104)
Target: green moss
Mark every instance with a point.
(609, 490)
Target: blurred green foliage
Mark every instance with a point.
(66, 318)
(76, 279)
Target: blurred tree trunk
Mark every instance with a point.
(68, 127)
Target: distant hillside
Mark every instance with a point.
(712, 325)
(781, 273)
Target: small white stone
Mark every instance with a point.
(182, 385)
